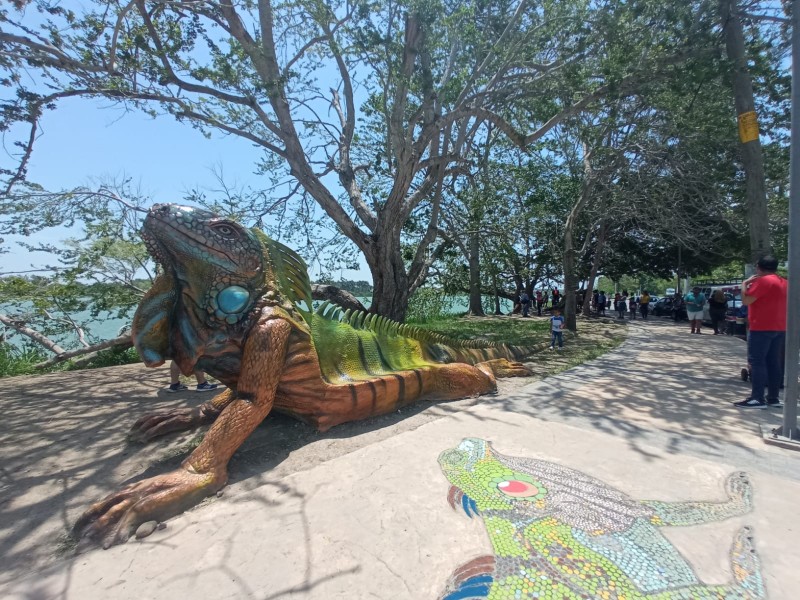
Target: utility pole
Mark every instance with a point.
(751, 153)
(789, 428)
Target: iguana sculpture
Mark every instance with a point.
(237, 305)
(558, 533)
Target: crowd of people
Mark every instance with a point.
(623, 303)
(540, 301)
(764, 302)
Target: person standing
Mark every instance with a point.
(633, 305)
(695, 301)
(764, 294)
(525, 301)
(556, 297)
(175, 384)
(677, 306)
(539, 302)
(620, 305)
(644, 304)
(545, 299)
(557, 329)
(717, 307)
(601, 304)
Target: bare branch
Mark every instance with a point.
(37, 337)
(123, 341)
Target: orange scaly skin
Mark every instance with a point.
(207, 311)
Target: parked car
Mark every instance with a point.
(663, 308)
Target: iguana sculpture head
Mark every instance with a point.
(212, 274)
(215, 258)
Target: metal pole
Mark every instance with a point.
(789, 428)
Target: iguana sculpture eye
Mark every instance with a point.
(225, 230)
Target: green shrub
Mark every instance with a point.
(428, 304)
(19, 361)
(109, 358)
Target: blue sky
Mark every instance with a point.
(86, 141)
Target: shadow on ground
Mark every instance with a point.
(62, 444)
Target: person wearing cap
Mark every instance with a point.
(695, 301)
(764, 294)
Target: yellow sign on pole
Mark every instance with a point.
(748, 127)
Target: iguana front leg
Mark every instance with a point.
(681, 514)
(116, 517)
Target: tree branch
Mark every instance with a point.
(124, 341)
(37, 337)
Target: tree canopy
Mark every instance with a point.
(527, 140)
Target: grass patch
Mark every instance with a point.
(510, 330)
(594, 338)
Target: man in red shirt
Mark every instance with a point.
(764, 294)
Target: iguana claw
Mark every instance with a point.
(115, 518)
(155, 425)
(501, 367)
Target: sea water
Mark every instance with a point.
(99, 329)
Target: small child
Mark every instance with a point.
(556, 328)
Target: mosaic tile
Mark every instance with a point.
(559, 534)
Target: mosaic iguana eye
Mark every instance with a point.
(519, 485)
(225, 230)
(518, 489)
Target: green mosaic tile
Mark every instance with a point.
(560, 534)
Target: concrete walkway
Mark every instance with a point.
(362, 512)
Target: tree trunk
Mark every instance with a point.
(497, 309)
(598, 253)
(475, 304)
(390, 282)
(570, 278)
(570, 281)
(752, 157)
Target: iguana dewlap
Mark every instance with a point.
(236, 304)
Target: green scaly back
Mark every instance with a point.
(356, 345)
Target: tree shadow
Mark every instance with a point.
(62, 445)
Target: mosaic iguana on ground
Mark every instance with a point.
(237, 305)
(560, 534)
